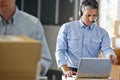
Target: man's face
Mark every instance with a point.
(6, 6)
(89, 15)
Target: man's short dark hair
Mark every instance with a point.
(88, 3)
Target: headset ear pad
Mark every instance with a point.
(81, 9)
(81, 12)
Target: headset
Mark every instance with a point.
(88, 3)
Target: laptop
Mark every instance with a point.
(94, 68)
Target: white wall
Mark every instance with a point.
(118, 13)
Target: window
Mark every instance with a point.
(108, 14)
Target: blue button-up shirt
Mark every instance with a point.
(24, 24)
(76, 40)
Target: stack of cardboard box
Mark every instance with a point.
(116, 39)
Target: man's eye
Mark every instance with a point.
(94, 15)
(89, 15)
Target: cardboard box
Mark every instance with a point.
(115, 72)
(116, 42)
(18, 57)
(117, 28)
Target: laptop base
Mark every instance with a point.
(94, 78)
(77, 78)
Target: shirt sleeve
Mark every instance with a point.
(61, 46)
(105, 45)
(46, 59)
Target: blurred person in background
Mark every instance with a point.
(16, 22)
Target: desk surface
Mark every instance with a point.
(115, 74)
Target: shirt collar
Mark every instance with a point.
(11, 20)
(82, 25)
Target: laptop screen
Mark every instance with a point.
(94, 68)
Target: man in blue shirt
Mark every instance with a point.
(16, 22)
(82, 38)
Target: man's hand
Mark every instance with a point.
(41, 68)
(113, 59)
(67, 72)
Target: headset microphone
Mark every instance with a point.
(93, 21)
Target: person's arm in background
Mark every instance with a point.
(107, 50)
(46, 59)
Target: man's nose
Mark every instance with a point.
(92, 18)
